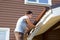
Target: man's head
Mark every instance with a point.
(29, 13)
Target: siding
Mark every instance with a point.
(55, 2)
(11, 10)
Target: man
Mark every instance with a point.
(21, 26)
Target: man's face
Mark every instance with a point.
(30, 15)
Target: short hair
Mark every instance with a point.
(29, 12)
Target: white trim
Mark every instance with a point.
(28, 2)
(50, 2)
(8, 32)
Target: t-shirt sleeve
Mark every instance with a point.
(26, 17)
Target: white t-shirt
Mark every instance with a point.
(21, 24)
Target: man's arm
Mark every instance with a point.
(30, 23)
